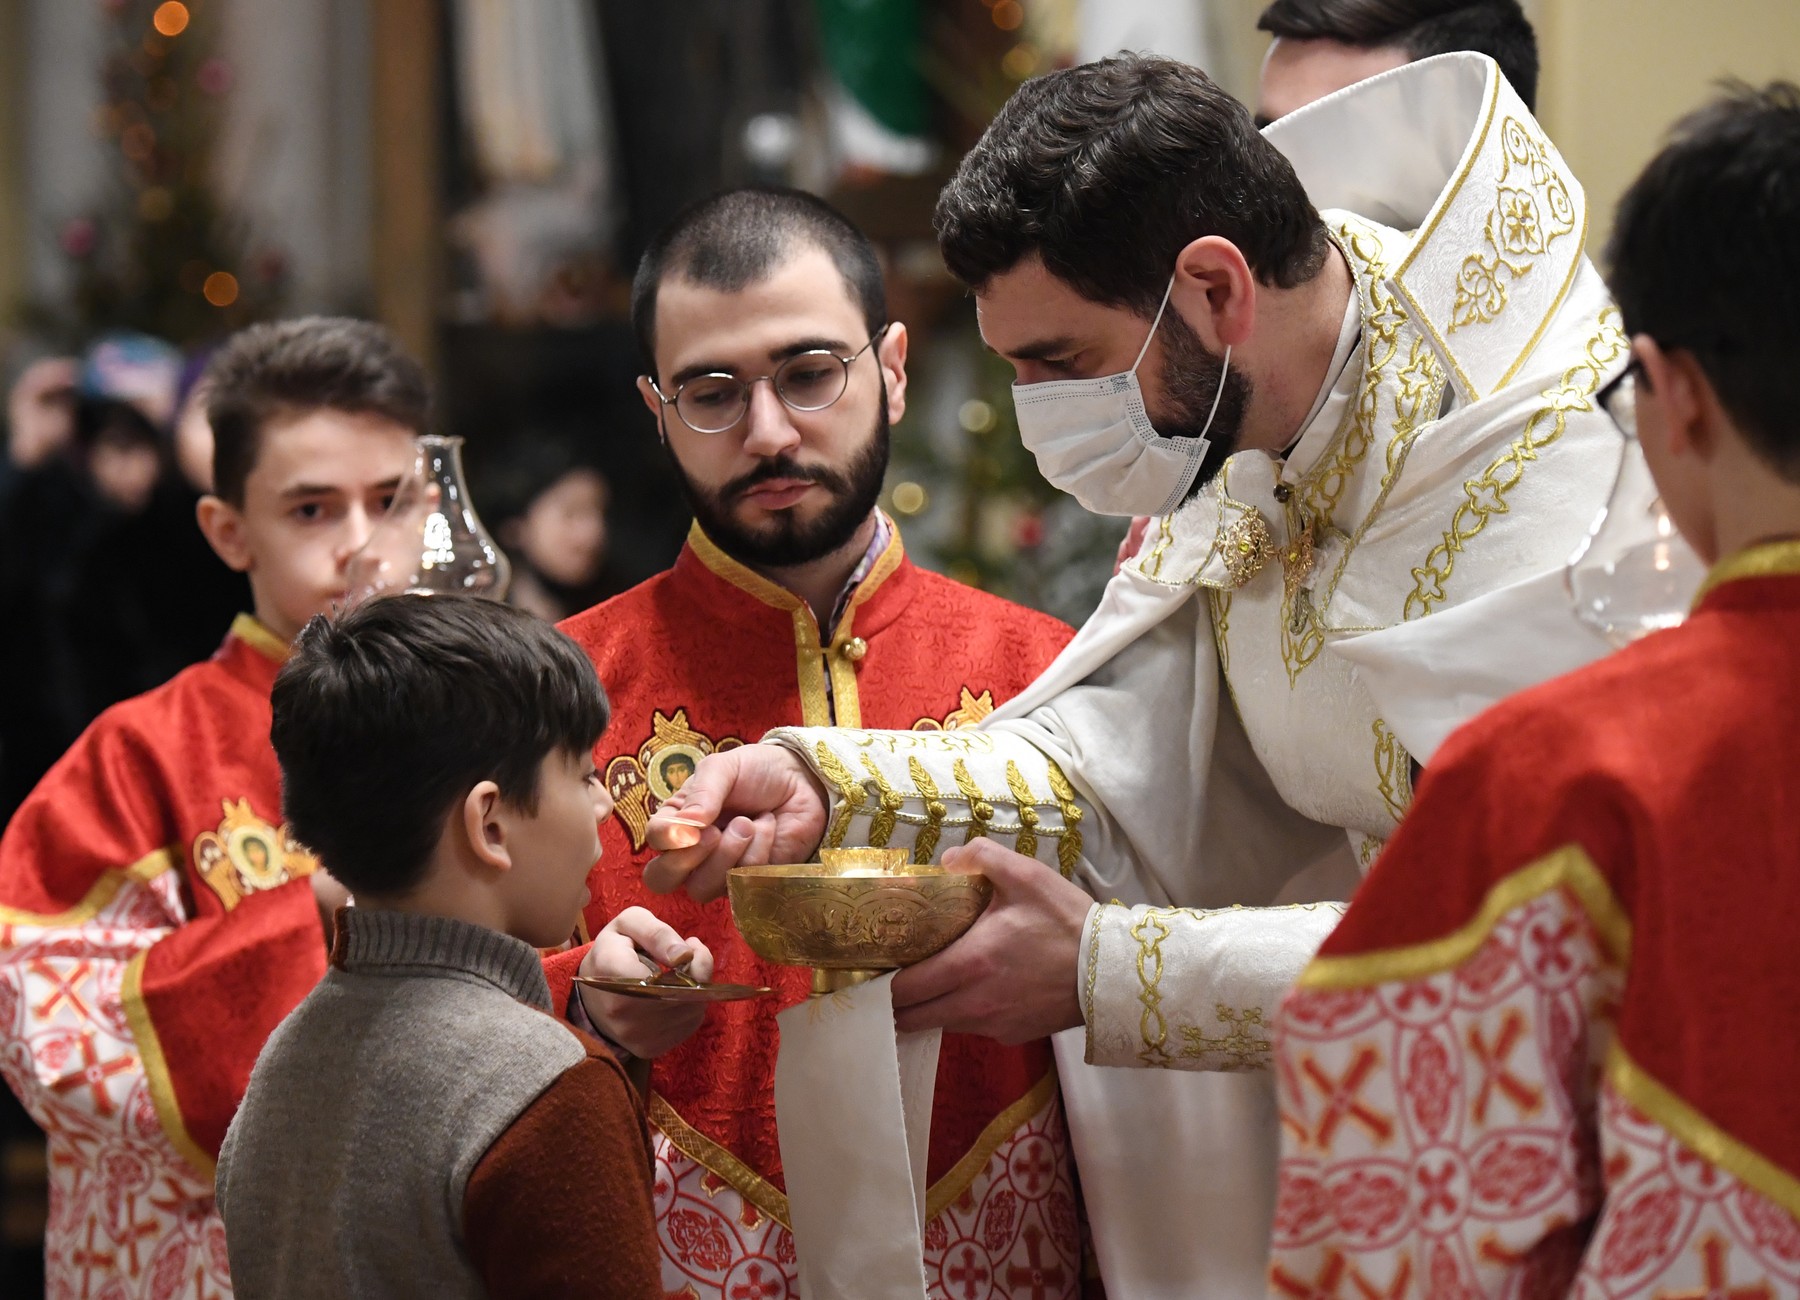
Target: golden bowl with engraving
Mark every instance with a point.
(854, 913)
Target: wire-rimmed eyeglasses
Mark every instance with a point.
(806, 381)
(1619, 399)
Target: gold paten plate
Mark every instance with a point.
(649, 988)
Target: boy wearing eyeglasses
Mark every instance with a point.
(774, 373)
(1551, 1048)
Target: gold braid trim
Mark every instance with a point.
(1068, 847)
(1149, 931)
(925, 843)
(980, 810)
(156, 1070)
(103, 891)
(947, 1190)
(881, 829)
(1485, 496)
(1393, 770)
(1567, 868)
(1023, 799)
(851, 794)
(773, 1202)
(703, 1151)
(1698, 1133)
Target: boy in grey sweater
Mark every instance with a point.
(421, 1124)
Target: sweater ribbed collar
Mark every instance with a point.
(404, 943)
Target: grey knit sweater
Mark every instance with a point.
(344, 1171)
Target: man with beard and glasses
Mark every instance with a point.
(1350, 364)
(773, 375)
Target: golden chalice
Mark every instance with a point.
(854, 913)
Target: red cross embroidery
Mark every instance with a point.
(1325, 1285)
(1552, 945)
(757, 1287)
(1038, 1167)
(1494, 1072)
(1712, 1259)
(1322, 1287)
(93, 1074)
(1419, 990)
(89, 1260)
(64, 988)
(1436, 1188)
(1038, 1276)
(136, 1230)
(967, 1274)
(1341, 1097)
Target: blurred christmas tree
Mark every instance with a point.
(159, 253)
(967, 493)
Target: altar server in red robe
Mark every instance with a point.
(1552, 1049)
(774, 372)
(157, 919)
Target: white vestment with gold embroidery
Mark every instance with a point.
(1259, 679)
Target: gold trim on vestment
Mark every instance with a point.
(254, 633)
(772, 1201)
(942, 1194)
(1777, 559)
(703, 1151)
(156, 1070)
(1567, 868)
(1698, 1133)
(101, 892)
(846, 702)
(814, 661)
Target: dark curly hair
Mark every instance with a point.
(1107, 170)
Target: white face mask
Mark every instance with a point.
(1094, 440)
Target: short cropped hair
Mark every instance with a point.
(1705, 257)
(739, 237)
(1496, 28)
(1109, 169)
(388, 715)
(286, 370)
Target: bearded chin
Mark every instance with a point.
(786, 540)
(1191, 379)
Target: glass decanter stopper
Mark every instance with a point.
(1633, 574)
(430, 541)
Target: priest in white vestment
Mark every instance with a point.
(1413, 454)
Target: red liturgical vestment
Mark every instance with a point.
(710, 655)
(1552, 1048)
(155, 926)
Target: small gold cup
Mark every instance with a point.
(855, 913)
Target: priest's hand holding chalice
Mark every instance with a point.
(857, 1063)
(1011, 976)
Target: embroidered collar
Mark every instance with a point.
(878, 564)
(254, 633)
(1777, 558)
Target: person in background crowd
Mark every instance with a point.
(547, 507)
(1321, 46)
(108, 583)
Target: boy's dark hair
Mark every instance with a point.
(386, 716)
(1109, 169)
(738, 237)
(1496, 28)
(288, 369)
(1705, 257)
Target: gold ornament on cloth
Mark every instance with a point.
(1247, 544)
